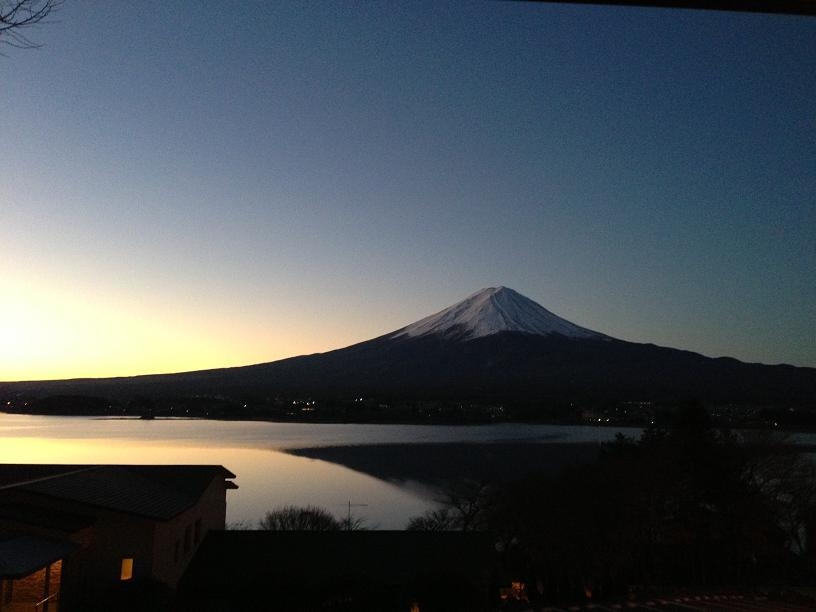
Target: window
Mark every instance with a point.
(126, 573)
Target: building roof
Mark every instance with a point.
(232, 558)
(24, 555)
(46, 518)
(152, 491)
(340, 570)
(15, 473)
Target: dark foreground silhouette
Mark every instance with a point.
(686, 506)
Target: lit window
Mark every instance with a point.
(127, 569)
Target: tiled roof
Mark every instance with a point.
(48, 518)
(153, 491)
(12, 474)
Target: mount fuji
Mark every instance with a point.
(492, 311)
(495, 344)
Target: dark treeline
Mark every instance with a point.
(638, 413)
(686, 506)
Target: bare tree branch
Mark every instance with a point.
(16, 15)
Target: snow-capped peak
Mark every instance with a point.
(494, 310)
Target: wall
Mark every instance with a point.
(211, 511)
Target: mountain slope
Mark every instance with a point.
(490, 311)
(494, 344)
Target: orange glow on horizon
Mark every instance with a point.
(52, 334)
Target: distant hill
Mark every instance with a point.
(494, 344)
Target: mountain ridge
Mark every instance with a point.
(494, 344)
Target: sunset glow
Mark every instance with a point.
(177, 202)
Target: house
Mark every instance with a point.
(84, 535)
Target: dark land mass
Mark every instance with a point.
(503, 365)
(439, 464)
(507, 375)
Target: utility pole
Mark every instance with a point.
(348, 520)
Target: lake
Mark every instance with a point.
(256, 451)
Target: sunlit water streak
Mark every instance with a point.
(267, 477)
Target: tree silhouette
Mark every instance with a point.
(307, 518)
(17, 15)
(685, 505)
(464, 506)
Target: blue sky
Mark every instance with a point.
(196, 184)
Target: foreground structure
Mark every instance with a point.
(340, 570)
(80, 537)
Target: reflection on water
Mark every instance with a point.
(266, 477)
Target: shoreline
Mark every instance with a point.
(440, 463)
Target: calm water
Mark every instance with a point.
(267, 477)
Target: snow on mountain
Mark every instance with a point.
(494, 310)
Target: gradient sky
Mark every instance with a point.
(199, 184)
